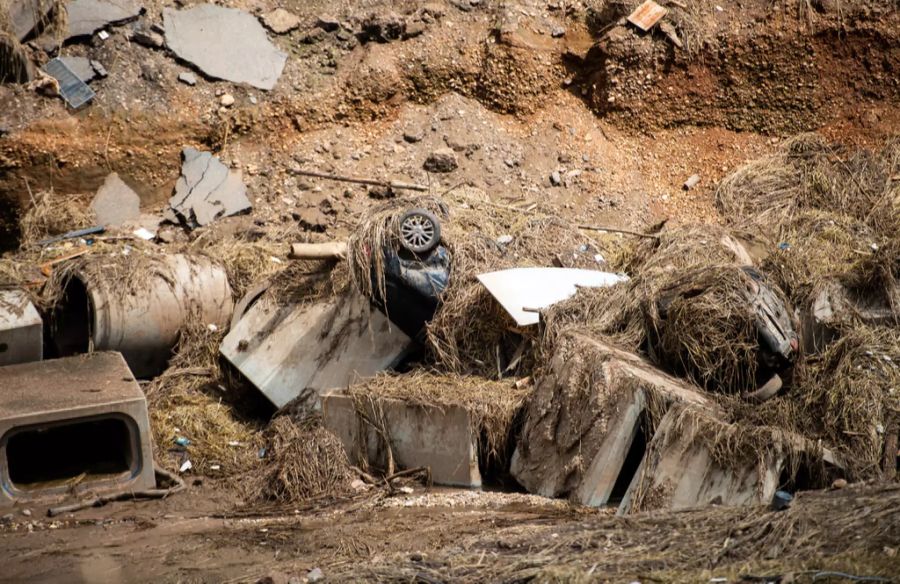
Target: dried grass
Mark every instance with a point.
(54, 215)
(190, 400)
(303, 461)
(808, 173)
(492, 405)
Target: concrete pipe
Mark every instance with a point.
(143, 324)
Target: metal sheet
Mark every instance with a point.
(293, 351)
(647, 15)
(537, 288)
(71, 88)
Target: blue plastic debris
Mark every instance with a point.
(784, 246)
(181, 441)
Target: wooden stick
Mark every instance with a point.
(333, 250)
(612, 230)
(362, 181)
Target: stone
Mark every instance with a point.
(148, 38)
(207, 190)
(558, 32)
(441, 160)
(691, 182)
(187, 78)
(99, 69)
(555, 178)
(81, 67)
(21, 329)
(414, 135)
(439, 437)
(115, 203)
(312, 219)
(315, 575)
(86, 17)
(227, 100)
(585, 416)
(280, 21)
(328, 23)
(414, 29)
(224, 43)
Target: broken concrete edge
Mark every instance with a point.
(85, 389)
(442, 438)
(694, 459)
(99, 24)
(21, 329)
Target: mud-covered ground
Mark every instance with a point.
(623, 117)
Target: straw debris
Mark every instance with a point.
(303, 461)
(53, 215)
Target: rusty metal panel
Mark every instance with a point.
(647, 15)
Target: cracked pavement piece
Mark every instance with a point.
(207, 189)
(88, 16)
(224, 43)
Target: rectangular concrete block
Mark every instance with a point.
(72, 425)
(678, 472)
(21, 329)
(586, 414)
(441, 438)
(289, 351)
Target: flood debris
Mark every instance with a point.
(85, 17)
(224, 43)
(71, 87)
(73, 426)
(21, 329)
(647, 15)
(207, 190)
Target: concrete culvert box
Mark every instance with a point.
(72, 425)
(141, 319)
(21, 329)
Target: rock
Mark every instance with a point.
(441, 160)
(381, 192)
(207, 190)
(188, 78)
(558, 32)
(315, 575)
(839, 484)
(81, 67)
(26, 512)
(88, 16)
(505, 239)
(415, 135)
(148, 38)
(99, 69)
(382, 27)
(227, 100)
(691, 182)
(224, 43)
(312, 219)
(328, 23)
(414, 29)
(555, 179)
(115, 203)
(280, 21)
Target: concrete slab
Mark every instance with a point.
(224, 43)
(26, 15)
(115, 203)
(207, 190)
(72, 425)
(441, 438)
(21, 329)
(293, 351)
(584, 416)
(86, 17)
(677, 473)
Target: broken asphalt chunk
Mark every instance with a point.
(81, 67)
(115, 203)
(207, 190)
(224, 43)
(88, 16)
